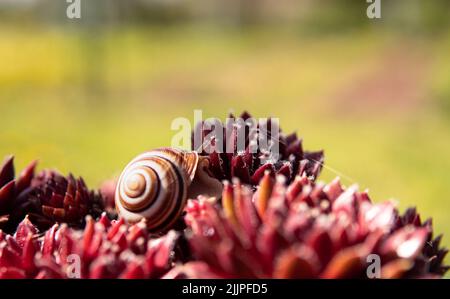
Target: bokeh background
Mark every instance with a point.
(87, 95)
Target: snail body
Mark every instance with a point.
(156, 185)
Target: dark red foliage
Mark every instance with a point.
(47, 198)
(103, 249)
(249, 166)
(305, 230)
(13, 199)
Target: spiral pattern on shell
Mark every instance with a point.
(154, 186)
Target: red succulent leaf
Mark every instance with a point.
(25, 177)
(12, 273)
(7, 171)
(406, 243)
(6, 195)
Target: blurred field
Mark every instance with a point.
(377, 102)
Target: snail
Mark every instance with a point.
(156, 185)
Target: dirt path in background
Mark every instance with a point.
(397, 84)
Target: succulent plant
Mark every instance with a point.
(47, 197)
(305, 230)
(13, 192)
(249, 165)
(104, 249)
(56, 198)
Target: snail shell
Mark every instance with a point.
(156, 185)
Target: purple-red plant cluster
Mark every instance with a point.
(273, 220)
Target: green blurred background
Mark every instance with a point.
(87, 95)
